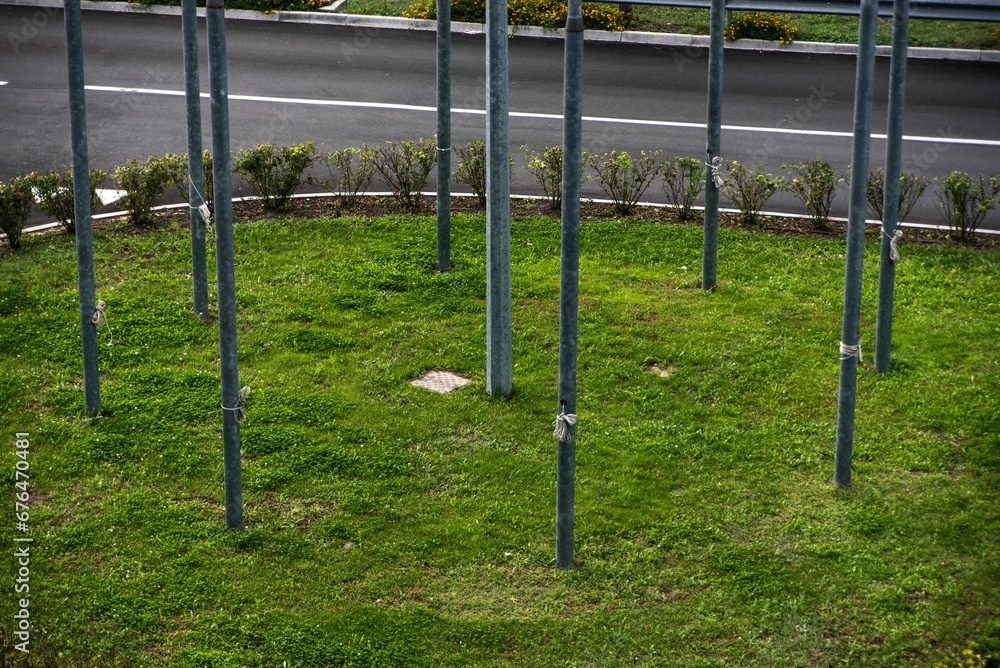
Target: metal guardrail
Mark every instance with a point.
(947, 10)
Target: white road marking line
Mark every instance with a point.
(3, 83)
(527, 114)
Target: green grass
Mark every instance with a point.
(377, 7)
(390, 526)
(828, 28)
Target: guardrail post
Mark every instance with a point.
(569, 280)
(711, 238)
(81, 204)
(196, 179)
(498, 307)
(890, 202)
(224, 262)
(850, 349)
(444, 134)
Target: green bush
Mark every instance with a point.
(815, 184)
(54, 194)
(760, 25)
(177, 168)
(623, 179)
(911, 188)
(472, 168)
(405, 166)
(966, 200)
(351, 171)
(15, 208)
(749, 191)
(142, 183)
(683, 181)
(543, 13)
(546, 167)
(275, 173)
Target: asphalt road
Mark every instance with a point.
(952, 107)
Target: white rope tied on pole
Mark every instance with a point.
(716, 167)
(241, 400)
(563, 422)
(100, 318)
(203, 210)
(847, 352)
(893, 248)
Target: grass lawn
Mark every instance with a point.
(391, 526)
(827, 27)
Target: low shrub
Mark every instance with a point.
(761, 25)
(351, 171)
(177, 168)
(683, 181)
(143, 183)
(472, 168)
(275, 173)
(750, 190)
(623, 178)
(546, 168)
(54, 194)
(542, 13)
(406, 165)
(966, 200)
(15, 208)
(911, 189)
(814, 184)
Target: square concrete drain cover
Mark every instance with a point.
(440, 381)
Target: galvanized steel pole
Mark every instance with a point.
(890, 202)
(196, 185)
(82, 213)
(498, 308)
(569, 279)
(711, 238)
(850, 350)
(224, 261)
(444, 134)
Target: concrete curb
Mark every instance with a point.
(329, 17)
(653, 205)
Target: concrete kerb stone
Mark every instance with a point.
(330, 17)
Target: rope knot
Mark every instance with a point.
(847, 352)
(716, 167)
(241, 400)
(203, 210)
(563, 422)
(893, 248)
(100, 318)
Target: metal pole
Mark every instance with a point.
(890, 203)
(498, 308)
(569, 279)
(224, 256)
(196, 185)
(711, 239)
(81, 202)
(850, 351)
(444, 134)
